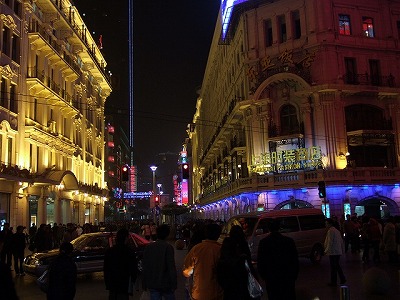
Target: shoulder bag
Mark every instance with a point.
(255, 289)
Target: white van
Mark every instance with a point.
(306, 226)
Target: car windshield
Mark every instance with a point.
(80, 242)
(247, 223)
(85, 242)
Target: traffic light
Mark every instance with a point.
(125, 173)
(321, 189)
(156, 200)
(185, 171)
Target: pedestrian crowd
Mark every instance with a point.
(213, 270)
(366, 234)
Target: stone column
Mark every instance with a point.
(41, 210)
(82, 209)
(58, 208)
(308, 126)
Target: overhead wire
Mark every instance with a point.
(120, 111)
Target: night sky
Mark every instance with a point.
(171, 44)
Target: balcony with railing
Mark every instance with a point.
(367, 79)
(50, 41)
(73, 20)
(71, 16)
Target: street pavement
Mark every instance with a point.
(311, 284)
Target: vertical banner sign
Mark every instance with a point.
(132, 181)
(185, 192)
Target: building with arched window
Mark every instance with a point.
(52, 94)
(300, 96)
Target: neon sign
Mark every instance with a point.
(286, 160)
(226, 12)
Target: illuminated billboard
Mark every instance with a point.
(226, 12)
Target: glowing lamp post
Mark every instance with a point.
(153, 169)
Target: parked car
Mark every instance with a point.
(88, 253)
(305, 225)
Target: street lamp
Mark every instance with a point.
(154, 168)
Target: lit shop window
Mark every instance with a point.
(368, 26)
(346, 209)
(344, 25)
(326, 210)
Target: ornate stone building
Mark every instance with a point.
(52, 95)
(296, 94)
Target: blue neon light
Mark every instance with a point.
(226, 12)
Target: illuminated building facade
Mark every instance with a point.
(296, 93)
(53, 89)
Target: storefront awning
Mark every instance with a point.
(67, 178)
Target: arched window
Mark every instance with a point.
(288, 119)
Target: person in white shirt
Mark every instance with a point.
(79, 230)
(334, 248)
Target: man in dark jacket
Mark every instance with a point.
(62, 275)
(18, 243)
(120, 267)
(278, 264)
(7, 286)
(5, 240)
(159, 270)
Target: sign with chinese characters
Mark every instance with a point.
(136, 195)
(298, 63)
(288, 160)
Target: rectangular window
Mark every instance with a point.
(268, 33)
(282, 29)
(3, 92)
(15, 48)
(9, 150)
(344, 25)
(375, 71)
(312, 222)
(368, 26)
(17, 8)
(296, 24)
(13, 99)
(31, 157)
(35, 106)
(65, 128)
(37, 162)
(6, 48)
(398, 29)
(351, 70)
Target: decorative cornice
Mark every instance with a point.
(8, 20)
(8, 72)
